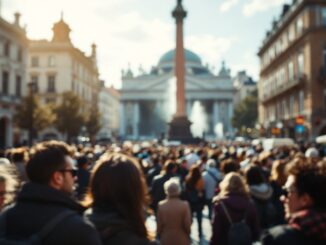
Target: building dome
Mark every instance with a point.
(189, 57)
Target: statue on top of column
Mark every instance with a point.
(179, 2)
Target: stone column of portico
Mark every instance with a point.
(180, 125)
(135, 124)
(122, 119)
(230, 114)
(215, 113)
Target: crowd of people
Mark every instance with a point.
(55, 193)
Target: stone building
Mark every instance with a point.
(109, 106)
(148, 100)
(13, 54)
(293, 72)
(57, 66)
(244, 85)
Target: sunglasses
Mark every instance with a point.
(73, 172)
(287, 191)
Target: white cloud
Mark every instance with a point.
(255, 6)
(227, 5)
(210, 48)
(248, 62)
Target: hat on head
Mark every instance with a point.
(312, 152)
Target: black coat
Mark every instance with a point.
(113, 229)
(157, 189)
(36, 205)
(285, 235)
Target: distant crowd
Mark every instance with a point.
(55, 193)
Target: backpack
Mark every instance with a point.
(239, 232)
(37, 238)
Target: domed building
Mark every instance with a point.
(148, 100)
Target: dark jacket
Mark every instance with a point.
(113, 229)
(237, 206)
(157, 189)
(36, 205)
(262, 196)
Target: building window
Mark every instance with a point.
(51, 61)
(5, 82)
(291, 34)
(291, 104)
(290, 71)
(299, 26)
(323, 16)
(72, 86)
(7, 49)
(19, 54)
(300, 64)
(51, 84)
(301, 102)
(34, 83)
(35, 61)
(18, 86)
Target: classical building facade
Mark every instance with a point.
(148, 101)
(13, 53)
(109, 106)
(292, 76)
(57, 66)
(243, 85)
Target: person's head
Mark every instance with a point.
(233, 183)
(193, 176)
(172, 188)
(82, 162)
(169, 167)
(117, 182)
(211, 163)
(305, 187)
(278, 173)
(18, 155)
(229, 165)
(50, 163)
(8, 185)
(254, 175)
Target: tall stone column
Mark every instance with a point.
(135, 124)
(230, 115)
(216, 113)
(180, 125)
(122, 128)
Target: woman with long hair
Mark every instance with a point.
(194, 192)
(231, 206)
(117, 197)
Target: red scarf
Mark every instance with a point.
(311, 223)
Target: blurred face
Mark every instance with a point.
(69, 176)
(2, 193)
(292, 201)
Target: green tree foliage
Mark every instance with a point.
(33, 116)
(93, 123)
(69, 118)
(246, 112)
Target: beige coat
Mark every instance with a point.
(174, 222)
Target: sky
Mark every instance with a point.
(137, 33)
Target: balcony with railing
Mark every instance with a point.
(283, 88)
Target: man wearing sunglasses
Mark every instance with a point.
(46, 197)
(305, 206)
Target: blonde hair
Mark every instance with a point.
(9, 178)
(233, 183)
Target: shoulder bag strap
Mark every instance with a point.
(226, 212)
(212, 175)
(52, 224)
